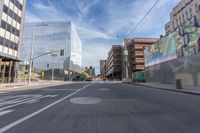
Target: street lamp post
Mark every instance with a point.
(32, 51)
(126, 63)
(53, 66)
(31, 55)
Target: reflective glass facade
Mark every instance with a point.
(53, 36)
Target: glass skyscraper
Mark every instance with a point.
(53, 36)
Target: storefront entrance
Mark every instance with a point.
(7, 71)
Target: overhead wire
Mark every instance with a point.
(142, 19)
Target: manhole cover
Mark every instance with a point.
(104, 89)
(85, 100)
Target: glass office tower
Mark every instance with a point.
(53, 36)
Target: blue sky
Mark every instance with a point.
(99, 21)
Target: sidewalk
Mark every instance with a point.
(33, 85)
(169, 87)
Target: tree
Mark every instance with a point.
(84, 76)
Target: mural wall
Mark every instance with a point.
(184, 42)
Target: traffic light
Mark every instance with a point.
(62, 52)
(47, 65)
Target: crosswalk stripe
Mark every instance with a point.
(5, 112)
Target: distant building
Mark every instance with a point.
(53, 36)
(12, 18)
(92, 71)
(135, 48)
(102, 68)
(184, 11)
(114, 63)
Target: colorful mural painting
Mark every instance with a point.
(182, 43)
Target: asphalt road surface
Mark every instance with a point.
(99, 108)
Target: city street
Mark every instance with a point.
(99, 107)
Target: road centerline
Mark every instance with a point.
(17, 122)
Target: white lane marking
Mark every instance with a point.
(23, 102)
(6, 128)
(33, 101)
(2, 92)
(18, 99)
(29, 100)
(60, 89)
(5, 112)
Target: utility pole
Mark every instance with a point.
(126, 61)
(32, 51)
(53, 66)
(31, 55)
(52, 75)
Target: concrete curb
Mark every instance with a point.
(173, 90)
(33, 87)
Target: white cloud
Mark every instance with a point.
(84, 5)
(30, 17)
(128, 15)
(46, 12)
(120, 18)
(91, 34)
(94, 52)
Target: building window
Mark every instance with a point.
(6, 43)
(1, 40)
(15, 47)
(20, 6)
(3, 24)
(17, 4)
(5, 9)
(13, 30)
(9, 28)
(18, 19)
(17, 33)
(10, 13)
(15, 16)
(11, 45)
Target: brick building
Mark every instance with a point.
(135, 48)
(114, 63)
